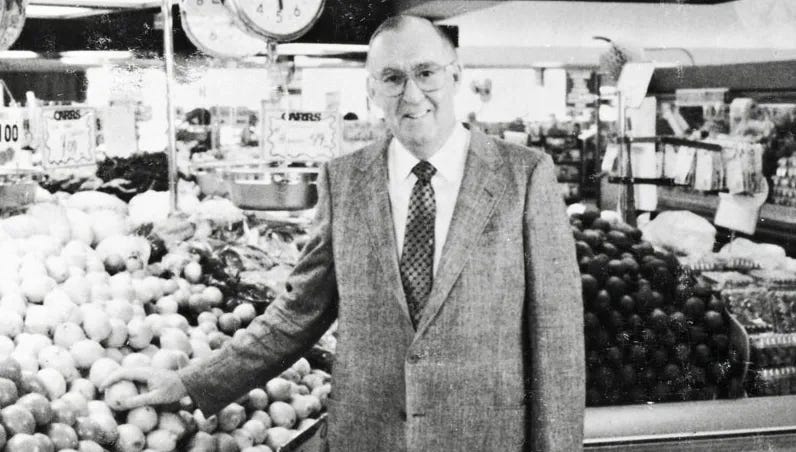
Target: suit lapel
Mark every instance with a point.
(481, 189)
(371, 189)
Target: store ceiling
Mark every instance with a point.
(443, 9)
(71, 9)
(497, 32)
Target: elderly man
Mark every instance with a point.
(447, 257)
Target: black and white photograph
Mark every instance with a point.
(397, 225)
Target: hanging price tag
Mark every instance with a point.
(12, 134)
(70, 137)
(740, 212)
(310, 136)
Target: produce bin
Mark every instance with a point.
(312, 439)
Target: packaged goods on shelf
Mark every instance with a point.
(752, 308)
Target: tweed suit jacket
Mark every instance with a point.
(497, 361)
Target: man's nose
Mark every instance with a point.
(412, 92)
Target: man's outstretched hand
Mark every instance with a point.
(163, 386)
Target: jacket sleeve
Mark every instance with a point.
(555, 318)
(287, 329)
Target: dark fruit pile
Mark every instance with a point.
(652, 333)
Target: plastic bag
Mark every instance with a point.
(769, 256)
(681, 232)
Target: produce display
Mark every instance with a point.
(123, 177)
(82, 294)
(653, 332)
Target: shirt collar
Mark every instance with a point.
(449, 160)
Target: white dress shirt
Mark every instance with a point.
(449, 162)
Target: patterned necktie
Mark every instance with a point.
(417, 259)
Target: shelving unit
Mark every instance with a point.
(777, 224)
(561, 149)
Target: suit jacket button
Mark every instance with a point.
(414, 358)
(403, 414)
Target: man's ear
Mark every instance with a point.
(370, 89)
(457, 75)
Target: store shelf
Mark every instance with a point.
(777, 224)
(742, 423)
(698, 203)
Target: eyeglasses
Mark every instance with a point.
(427, 77)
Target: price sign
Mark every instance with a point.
(310, 136)
(12, 134)
(740, 212)
(70, 137)
(120, 138)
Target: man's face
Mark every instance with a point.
(420, 120)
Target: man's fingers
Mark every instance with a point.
(146, 398)
(139, 374)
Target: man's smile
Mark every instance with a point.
(416, 115)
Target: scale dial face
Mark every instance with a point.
(12, 19)
(282, 20)
(214, 31)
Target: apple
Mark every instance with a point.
(67, 333)
(230, 417)
(87, 428)
(257, 400)
(45, 443)
(278, 437)
(202, 442)
(63, 412)
(305, 406)
(136, 360)
(193, 272)
(131, 439)
(39, 407)
(161, 440)
(139, 333)
(282, 414)
(262, 416)
(302, 366)
(83, 387)
(175, 339)
(18, 419)
(144, 417)
(62, 436)
(8, 392)
(172, 422)
(257, 429)
(244, 438)
(78, 402)
(53, 382)
(226, 442)
(22, 442)
(118, 393)
(10, 369)
(87, 351)
(101, 369)
(87, 445)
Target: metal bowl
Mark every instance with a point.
(272, 188)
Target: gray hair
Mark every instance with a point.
(395, 23)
